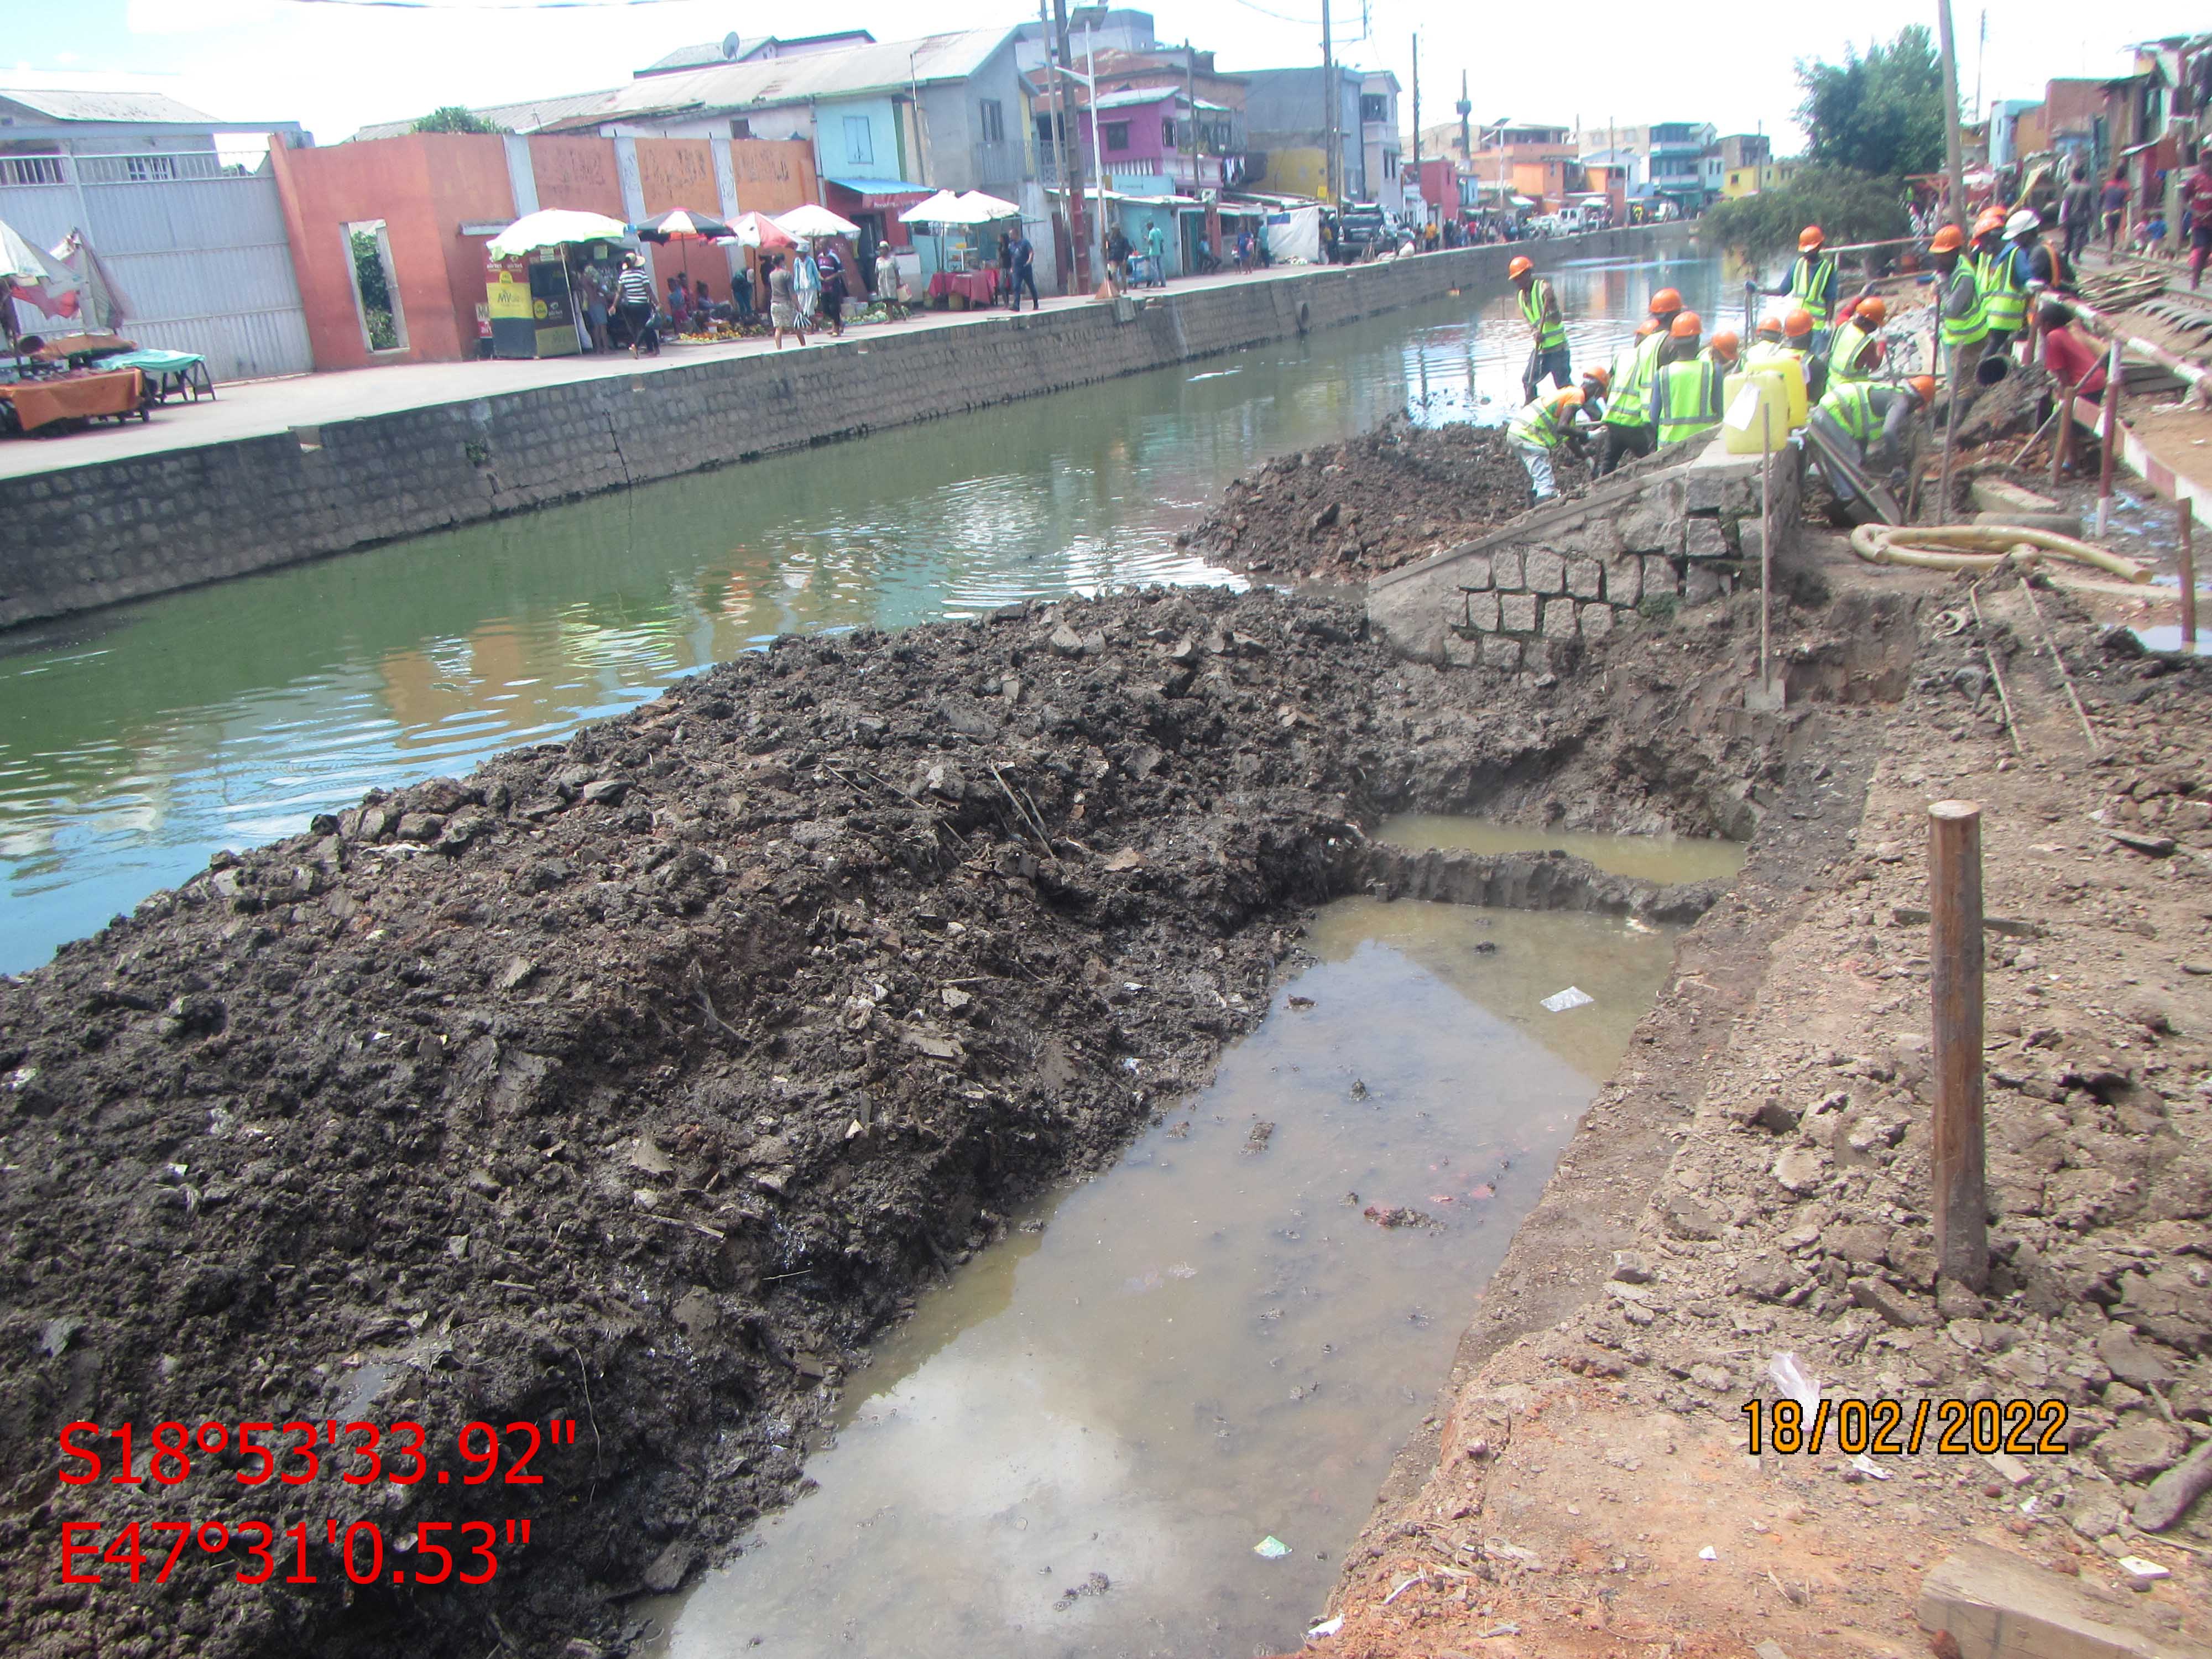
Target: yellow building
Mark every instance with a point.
(1750, 179)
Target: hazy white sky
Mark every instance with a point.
(333, 66)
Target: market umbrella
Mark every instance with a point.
(942, 209)
(681, 225)
(811, 219)
(757, 230)
(990, 206)
(552, 228)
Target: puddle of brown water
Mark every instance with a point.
(1209, 1344)
(1652, 858)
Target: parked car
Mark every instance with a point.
(1359, 224)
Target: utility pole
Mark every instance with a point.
(1190, 97)
(1328, 113)
(1417, 130)
(1953, 157)
(1466, 135)
(1071, 178)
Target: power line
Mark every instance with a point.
(493, 5)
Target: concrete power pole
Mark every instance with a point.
(1072, 176)
(1417, 130)
(1328, 113)
(1954, 155)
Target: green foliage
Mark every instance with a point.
(1882, 114)
(375, 292)
(452, 118)
(1850, 207)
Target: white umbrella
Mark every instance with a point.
(812, 219)
(989, 207)
(942, 209)
(19, 258)
(552, 227)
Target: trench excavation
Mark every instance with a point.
(641, 1080)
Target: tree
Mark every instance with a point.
(1849, 206)
(452, 118)
(375, 291)
(1882, 114)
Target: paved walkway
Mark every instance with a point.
(256, 409)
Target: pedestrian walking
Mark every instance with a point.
(1156, 250)
(1539, 305)
(783, 313)
(1025, 257)
(887, 281)
(636, 289)
(599, 295)
(829, 265)
(2114, 202)
(1117, 259)
(2077, 211)
(2197, 203)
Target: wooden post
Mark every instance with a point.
(1954, 907)
(1950, 431)
(2062, 441)
(2112, 439)
(1767, 542)
(2188, 578)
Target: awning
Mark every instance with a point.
(881, 192)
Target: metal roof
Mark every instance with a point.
(64, 105)
(707, 53)
(531, 116)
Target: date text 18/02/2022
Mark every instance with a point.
(254, 1453)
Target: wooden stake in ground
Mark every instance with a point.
(2188, 576)
(2062, 441)
(1954, 905)
(2111, 440)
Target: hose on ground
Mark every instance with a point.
(1979, 547)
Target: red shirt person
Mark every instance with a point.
(2072, 359)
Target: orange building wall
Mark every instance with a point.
(774, 175)
(577, 172)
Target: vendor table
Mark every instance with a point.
(977, 286)
(74, 396)
(168, 374)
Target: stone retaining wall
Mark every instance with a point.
(1681, 528)
(89, 535)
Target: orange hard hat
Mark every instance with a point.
(1687, 325)
(1809, 238)
(1949, 240)
(1924, 385)
(1645, 328)
(1723, 344)
(1797, 324)
(1603, 375)
(1772, 325)
(1873, 311)
(1664, 300)
(1521, 265)
(1991, 219)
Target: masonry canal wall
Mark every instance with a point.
(86, 535)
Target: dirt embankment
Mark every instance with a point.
(1586, 1488)
(635, 1081)
(1346, 511)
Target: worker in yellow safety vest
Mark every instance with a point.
(1597, 391)
(1855, 353)
(1870, 424)
(1537, 432)
(1539, 304)
(1685, 391)
(2000, 268)
(1963, 326)
(1766, 346)
(1723, 348)
(1627, 428)
(1812, 282)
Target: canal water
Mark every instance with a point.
(1650, 857)
(1085, 1444)
(137, 741)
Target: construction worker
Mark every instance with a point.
(1723, 348)
(1596, 389)
(1685, 391)
(1766, 346)
(1869, 424)
(1854, 352)
(1964, 328)
(2001, 268)
(1812, 282)
(1666, 306)
(1539, 430)
(1539, 304)
(2049, 270)
(1626, 431)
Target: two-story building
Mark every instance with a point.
(1537, 160)
(1288, 113)
(1683, 163)
(1379, 140)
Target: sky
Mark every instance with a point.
(333, 66)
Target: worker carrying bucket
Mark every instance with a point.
(1539, 304)
(1864, 433)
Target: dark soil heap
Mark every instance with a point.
(1345, 512)
(637, 1079)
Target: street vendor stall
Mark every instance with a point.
(52, 399)
(531, 302)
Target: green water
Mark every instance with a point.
(135, 741)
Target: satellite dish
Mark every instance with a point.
(730, 46)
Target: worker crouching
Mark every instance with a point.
(1539, 430)
(1863, 433)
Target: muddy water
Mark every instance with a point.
(1074, 1448)
(137, 741)
(1653, 858)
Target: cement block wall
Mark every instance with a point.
(1678, 529)
(90, 535)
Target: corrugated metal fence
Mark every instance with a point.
(198, 256)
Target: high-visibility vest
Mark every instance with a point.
(1850, 404)
(1962, 330)
(1632, 383)
(1769, 351)
(1538, 423)
(1548, 334)
(1847, 358)
(2004, 289)
(1812, 282)
(1686, 399)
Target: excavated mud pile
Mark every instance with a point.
(635, 1081)
(1347, 511)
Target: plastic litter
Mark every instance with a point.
(1573, 997)
(2137, 1567)
(1327, 1628)
(1501, 1630)
(1867, 1467)
(1405, 1585)
(1709, 1554)
(1271, 1547)
(1787, 1375)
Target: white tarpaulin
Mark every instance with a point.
(1295, 237)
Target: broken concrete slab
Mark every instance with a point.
(1994, 1605)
